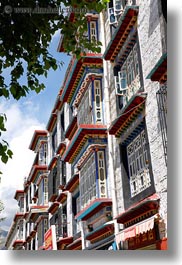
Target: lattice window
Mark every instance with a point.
(45, 190)
(162, 109)
(88, 181)
(127, 80)
(84, 108)
(138, 164)
(43, 154)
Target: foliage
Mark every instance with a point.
(24, 40)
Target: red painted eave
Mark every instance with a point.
(88, 59)
(160, 72)
(62, 197)
(33, 233)
(78, 139)
(72, 183)
(51, 122)
(18, 216)
(129, 14)
(70, 128)
(53, 197)
(103, 230)
(64, 241)
(61, 148)
(53, 208)
(149, 203)
(75, 245)
(137, 100)
(18, 243)
(35, 169)
(93, 208)
(36, 135)
(18, 194)
(52, 163)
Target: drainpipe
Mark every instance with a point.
(109, 137)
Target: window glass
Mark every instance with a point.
(138, 164)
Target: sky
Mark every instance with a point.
(23, 117)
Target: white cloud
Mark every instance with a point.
(21, 123)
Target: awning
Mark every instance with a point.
(136, 229)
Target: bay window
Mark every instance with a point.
(90, 107)
(43, 192)
(93, 181)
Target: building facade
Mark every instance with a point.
(99, 178)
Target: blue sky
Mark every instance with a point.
(23, 117)
(53, 82)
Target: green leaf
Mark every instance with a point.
(4, 158)
(10, 153)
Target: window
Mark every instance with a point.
(54, 180)
(43, 154)
(93, 31)
(91, 99)
(127, 78)
(45, 190)
(54, 140)
(63, 173)
(114, 10)
(138, 164)
(90, 179)
(162, 110)
(85, 108)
